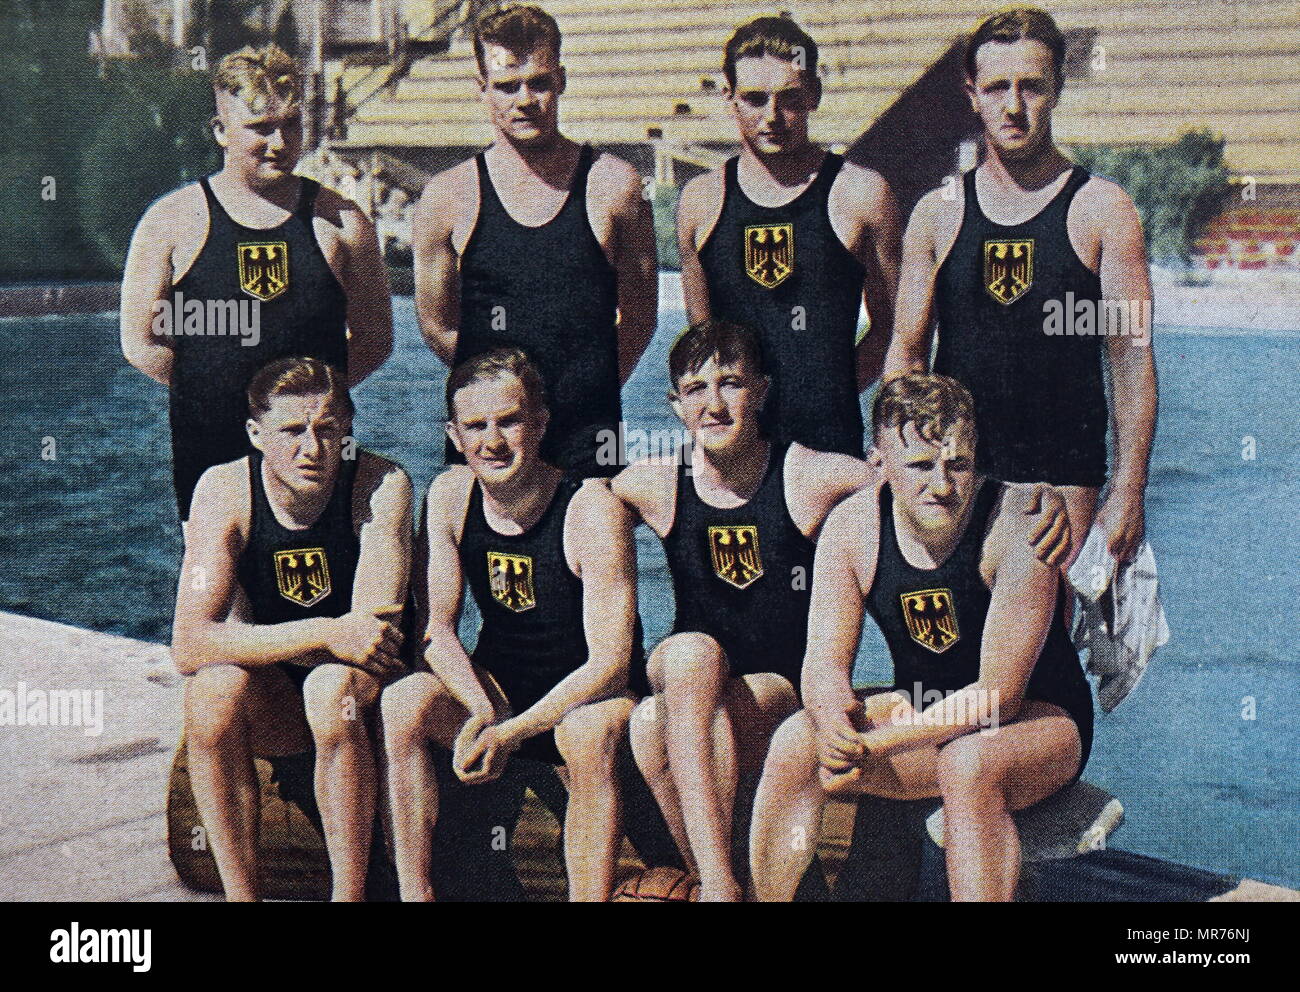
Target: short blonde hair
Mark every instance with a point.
(933, 404)
(259, 77)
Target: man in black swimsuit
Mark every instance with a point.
(739, 531)
(791, 240)
(551, 564)
(288, 616)
(939, 557)
(247, 266)
(1029, 276)
(539, 243)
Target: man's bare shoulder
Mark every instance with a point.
(646, 482)
(1105, 203)
(852, 522)
(221, 499)
(173, 214)
(938, 210)
(1009, 526)
(615, 178)
(336, 208)
(820, 470)
(448, 190)
(701, 195)
(595, 510)
(863, 186)
(449, 495)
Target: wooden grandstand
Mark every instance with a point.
(647, 73)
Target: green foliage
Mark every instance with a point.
(110, 140)
(665, 211)
(48, 90)
(154, 138)
(1176, 187)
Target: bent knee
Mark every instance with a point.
(590, 735)
(793, 751)
(214, 700)
(407, 703)
(337, 697)
(690, 659)
(965, 768)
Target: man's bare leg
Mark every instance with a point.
(732, 743)
(984, 778)
(787, 812)
(588, 739)
(338, 700)
(695, 673)
(792, 795)
(232, 713)
(416, 711)
(1081, 508)
(650, 752)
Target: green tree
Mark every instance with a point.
(154, 138)
(1176, 187)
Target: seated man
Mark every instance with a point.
(939, 557)
(739, 530)
(551, 564)
(287, 618)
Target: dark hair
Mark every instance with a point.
(297, 377)
(777, 36)
(1013, 25)
(517, 28)
(932, 403)
(489, 365)
(728, 342)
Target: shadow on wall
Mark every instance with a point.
(914, 143)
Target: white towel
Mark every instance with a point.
(1120, 620)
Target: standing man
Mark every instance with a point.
(1022, 275)
(739, 531)
(791, 239)
(551, 564)
(249, 265)
(288, 618)
(940, 558)
(539, 243)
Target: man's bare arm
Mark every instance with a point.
(636, 263)
(146, 280)
(1020, 614)
(444, 583)
(384, 565)
(817, 481)
(437, 266)
(1126, 277)
(206, 631)
(647, 488)
(909, 348)
(835, 617)
(699, 205)
(365, 281)
(878, 249)
(599, 527)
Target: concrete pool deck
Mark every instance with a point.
(82, 815)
